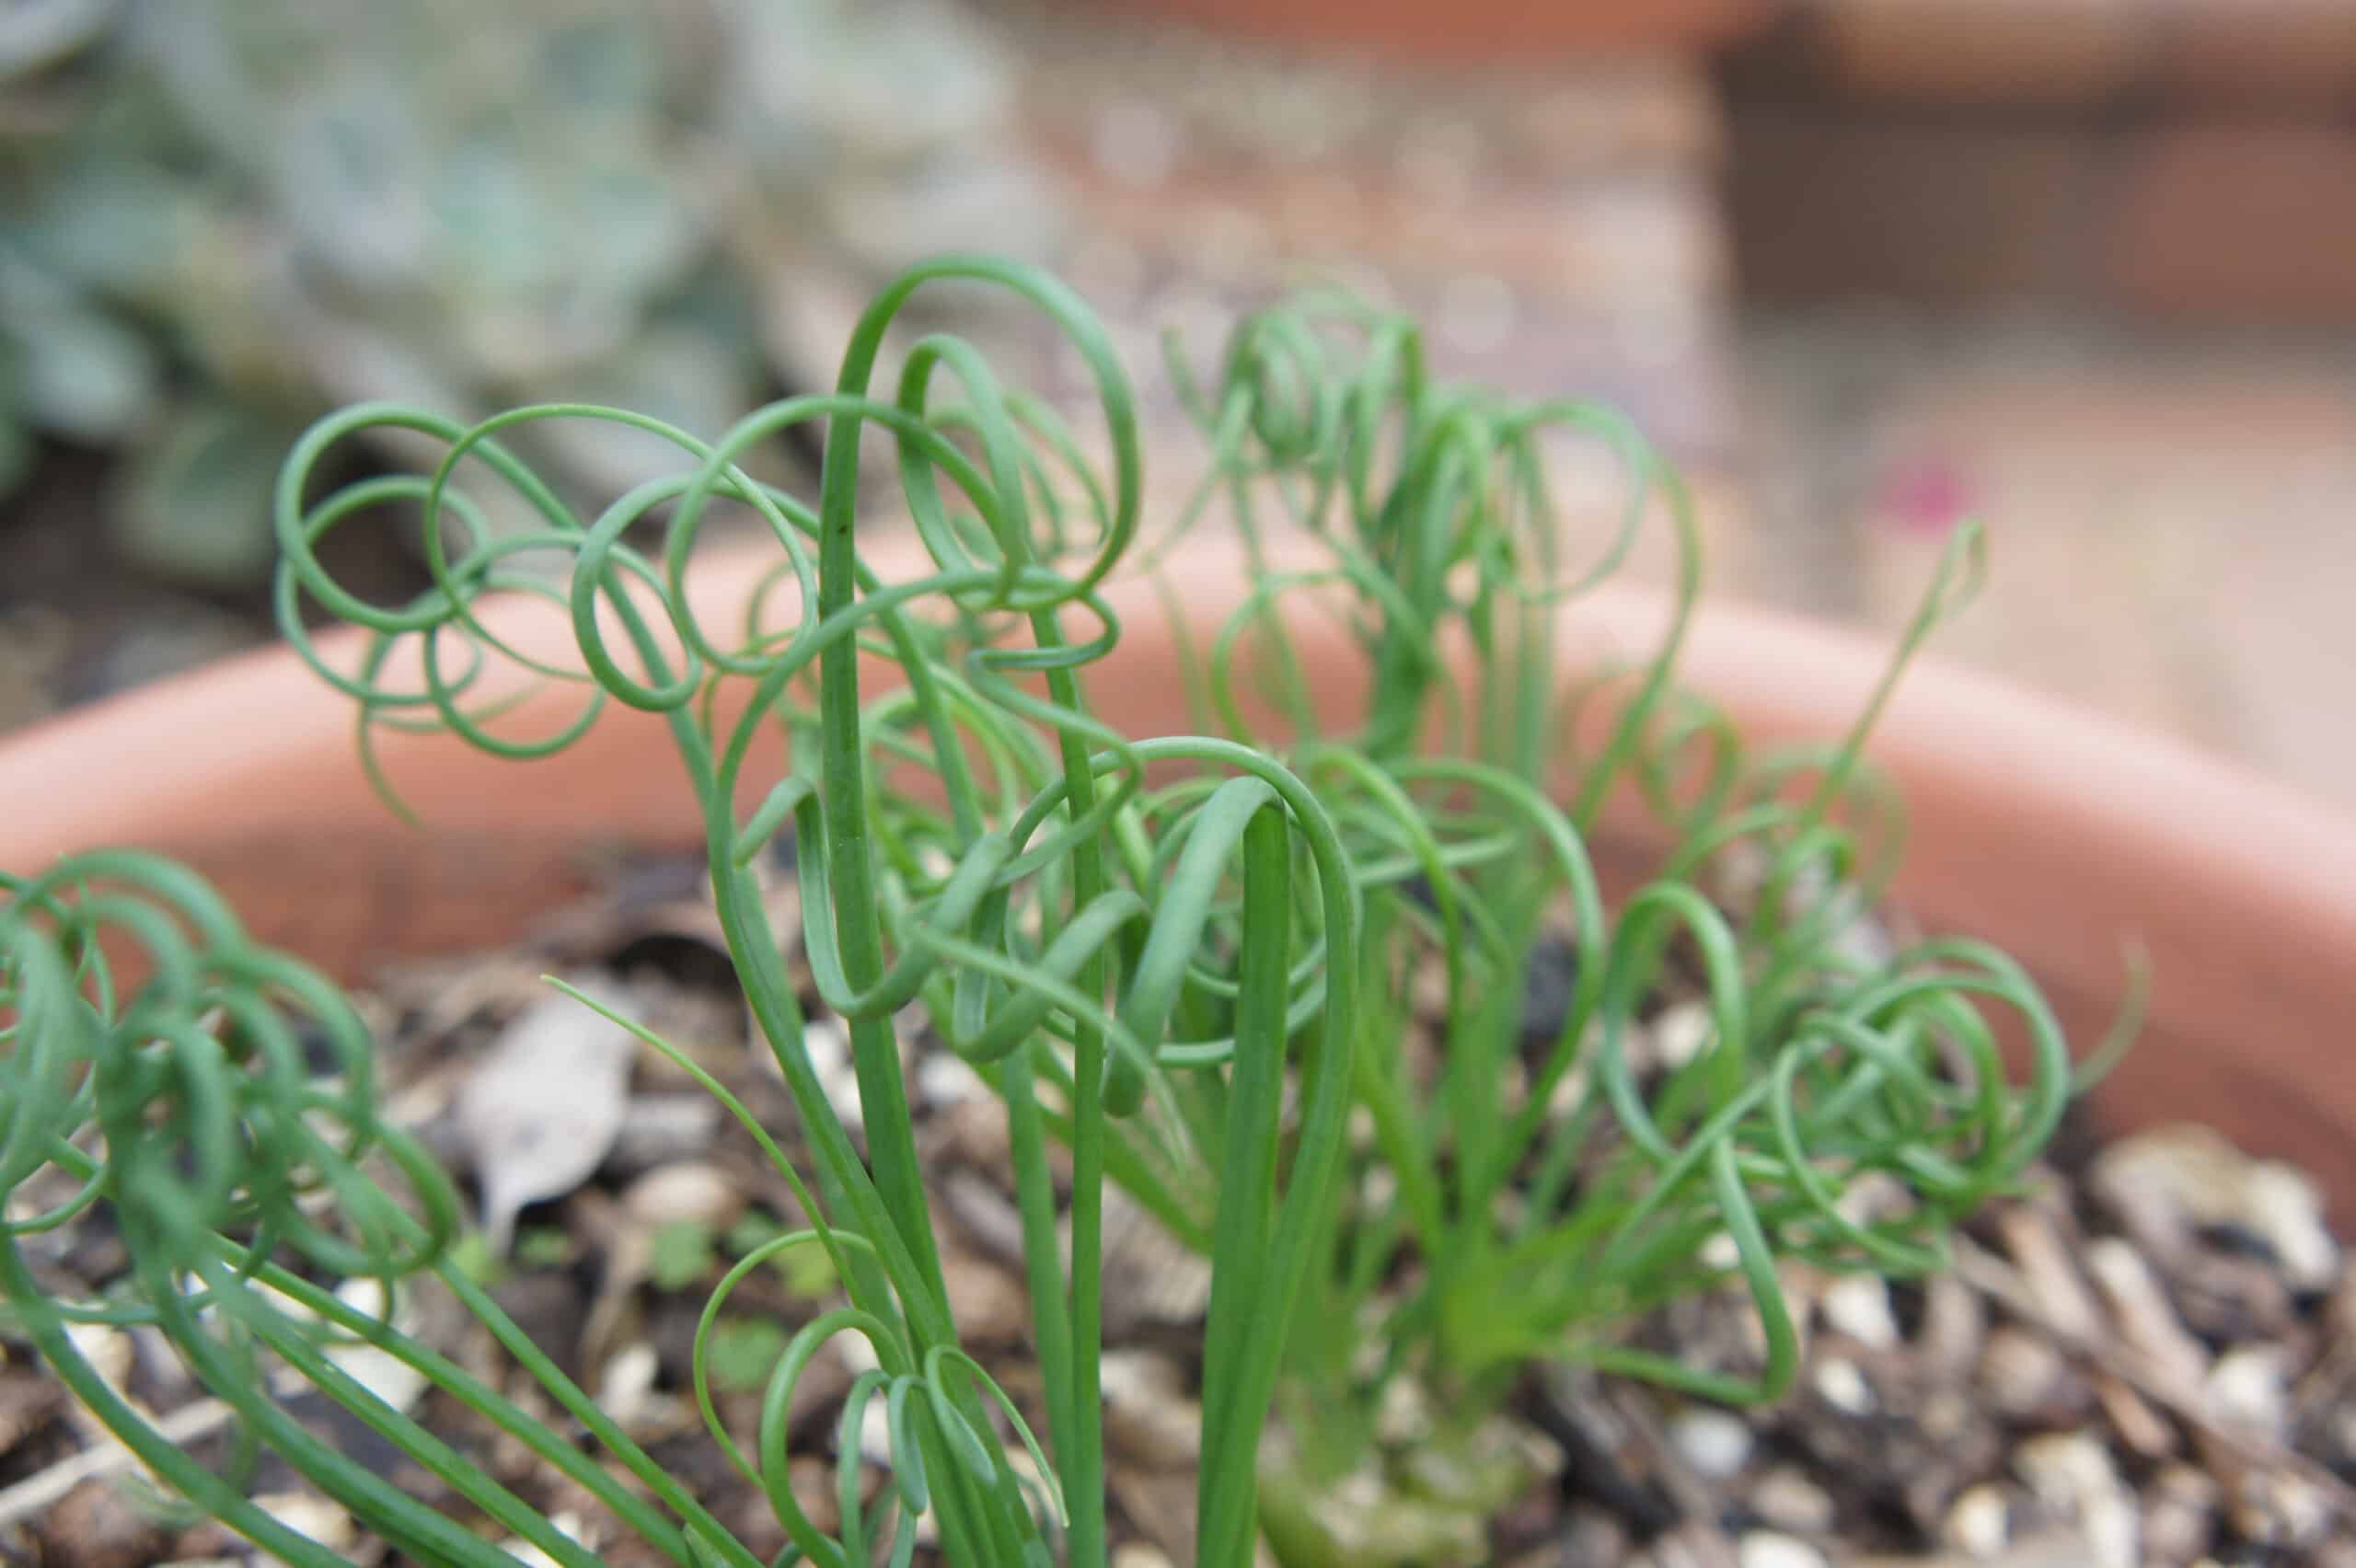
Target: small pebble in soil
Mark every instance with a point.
(2072, 1472)
(1680, 1034)
(566, 1524)
(1715, 1443)
(875, 1434)
(1858, 1306)
(2286, 1209)
(943, 1078)
(2179, 1514)
(308, 1512)
(383, 1374)
(690, 1191)
(2245, 1389)
(1789, 1501)
(1405, 1413)
(1766, 1549)
(1138, 1554)
(626, 1390)
(1843, 1387)
(1147, 1409)
(107, 1350)
(1944, 1415)
(828, 1041)
(2025, 1375)
(1979, 1522)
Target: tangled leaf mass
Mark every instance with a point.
(1189, 960)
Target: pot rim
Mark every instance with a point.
(140, 755)
(2053, 831)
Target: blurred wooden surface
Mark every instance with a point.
(2172, 509)
(2172, 518)
(2176, 160)
(2126, 234)
(1558, 229)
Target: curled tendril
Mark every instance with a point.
(212, 1117)
(1449, 524)
(973, 840)
(1828, 1062)
(205, 1105)
(1190, 982)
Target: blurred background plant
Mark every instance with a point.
(225, 217)
(1860, 265)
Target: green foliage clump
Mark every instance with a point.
(1536, 1192)
(1195, 961)
(225, 217)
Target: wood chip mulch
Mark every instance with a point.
(2149, 1358)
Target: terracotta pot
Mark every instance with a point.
(1476, 32)
(2052, 832)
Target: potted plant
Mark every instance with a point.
(1182, 910)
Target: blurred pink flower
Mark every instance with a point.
(1926, 495)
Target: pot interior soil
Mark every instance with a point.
(2147, 1356)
